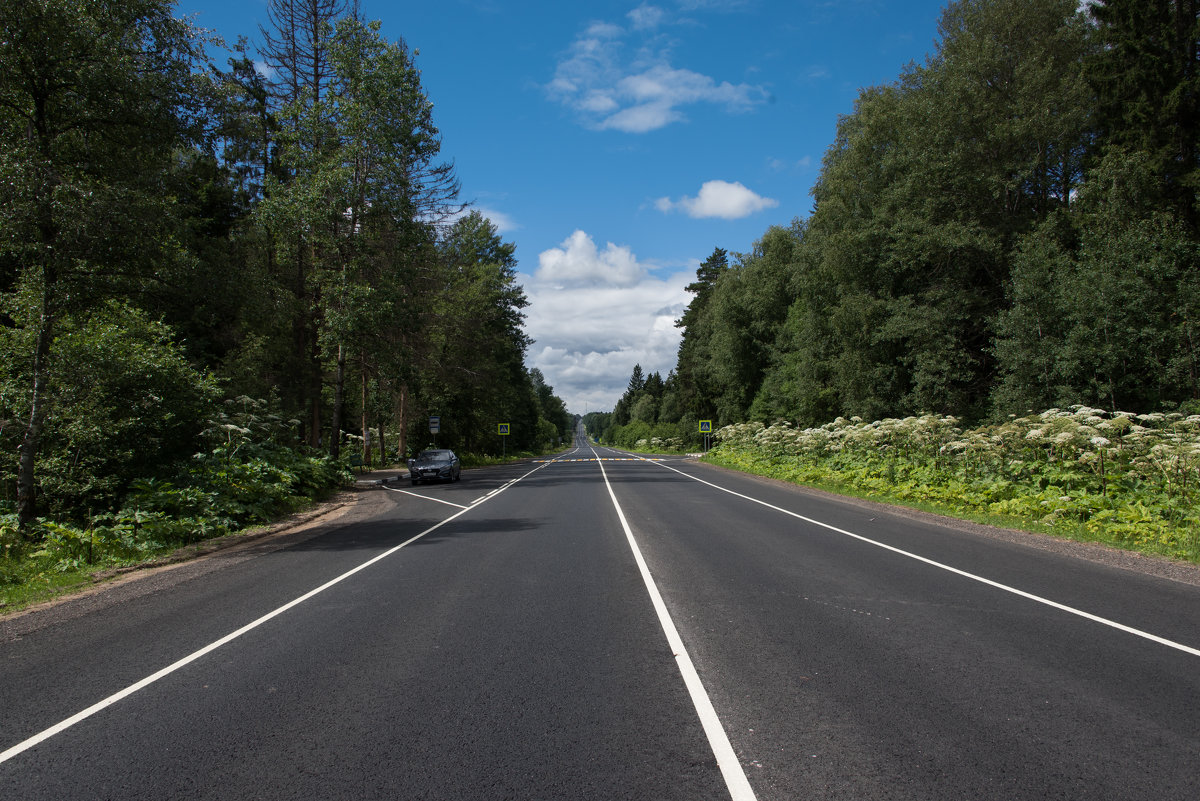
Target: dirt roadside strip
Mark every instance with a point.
(192, 561)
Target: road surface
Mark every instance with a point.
(598, 625)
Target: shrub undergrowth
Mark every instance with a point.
(1132, 480)
(252, 471)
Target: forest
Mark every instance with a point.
(218, 288)
(1008, 227)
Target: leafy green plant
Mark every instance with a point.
(1132, 480)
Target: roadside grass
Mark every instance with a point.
(1130, 481)
(842, 485)
(25, 582)
(65, 560)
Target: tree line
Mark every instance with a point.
(1011, 225)
(175, 231)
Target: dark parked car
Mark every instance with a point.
(441, 465)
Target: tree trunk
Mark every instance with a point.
(314, 366)
(401, 422)
(339, 394)
(366, 422)
(27, 452)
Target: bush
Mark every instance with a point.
(1124, 478)
(247, 476)
(653, 437)
(126, 403)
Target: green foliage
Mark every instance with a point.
(1145, 82)
(1129, 479)
(1010, 225)
(653, 437)
(250, 475)
(170, 227)
(126, 404)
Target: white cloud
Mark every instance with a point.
(646, 16)
(729, 201)
(643, 118)
(604, 30)
(613, 91)
(599, 102)
(712, 5)
(594, 314)
(504, 222)
(579, 263)
(782, 165)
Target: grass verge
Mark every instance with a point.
(1181, 544)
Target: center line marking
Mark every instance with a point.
(731, 768)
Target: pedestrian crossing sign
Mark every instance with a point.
(706, 426)
(502, 429)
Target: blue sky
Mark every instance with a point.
(617, 143)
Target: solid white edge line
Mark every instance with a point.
(62, 726)
(731, 767)
(1187, 649)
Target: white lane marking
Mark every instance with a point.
(1187, 649)
(424, 497)
(718, 740)
(501, 488)
(62, 726)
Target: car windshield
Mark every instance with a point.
(435, 455)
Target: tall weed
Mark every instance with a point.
(1129, 479)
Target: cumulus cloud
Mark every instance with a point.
(579, 263)
(612, 90)
(595, 313)
(729, 201)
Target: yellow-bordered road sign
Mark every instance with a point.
(502, 429)
(706, 426)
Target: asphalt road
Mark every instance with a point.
(600, 626)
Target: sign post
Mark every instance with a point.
(503, 429)
(435, 424)
(706, 429)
